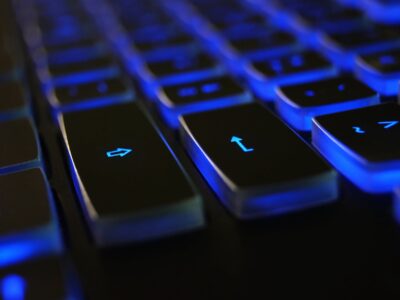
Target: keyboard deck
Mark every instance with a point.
(199, 149)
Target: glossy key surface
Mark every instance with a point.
(298, 103)
(254, 174)
(130, 185)
(362, 144)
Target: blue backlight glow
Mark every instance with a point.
(300, 117)
(13, 287)
(370, 177)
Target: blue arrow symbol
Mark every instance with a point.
(388, 124)
(238, 141)
(358, 130)
(121, 152)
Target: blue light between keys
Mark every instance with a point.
(13, 288)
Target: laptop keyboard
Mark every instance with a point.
(135, 130)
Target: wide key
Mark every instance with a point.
(130, 185)
(255, 163)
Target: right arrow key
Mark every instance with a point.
(363, 144)
(255, 164)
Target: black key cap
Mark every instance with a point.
(298, 104)
(44, 279)
(93, 94)
(13, 99)
(20, 148)
(131, 187)
(182, 68)
(264, 75)
(342, 48)
(263, 44)
(363, 145)
(254, 163)
(90, 70)
(381, 71)
(214, 93)
(28, 225)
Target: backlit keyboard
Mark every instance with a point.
(199, 149)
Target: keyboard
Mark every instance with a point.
(199, 149)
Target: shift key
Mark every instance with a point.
(130, 185)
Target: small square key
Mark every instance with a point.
(298, 104)
(176, 100)
(92, 94)
(265, 75)
(28, 225)
(363, 145)
(381, 71)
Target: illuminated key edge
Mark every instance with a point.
(301, 118)
(260, 202)
(371, 178)
(264, 87)
(385, 84)
(40, 241)
(106, 235)
(171, 112)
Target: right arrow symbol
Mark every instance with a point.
(388, 124)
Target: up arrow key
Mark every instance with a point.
(121, 152)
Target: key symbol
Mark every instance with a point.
(358, 130)
(388, 124)
(238, 141)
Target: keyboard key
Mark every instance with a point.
(13, 99)
(342, 48)
(181, 68)
(28, 224)
(381, 71)
(254, 163)
(362, 145)
(130, 186)
(298, 104)
(263, 44)
(85, 71)
(20, 148)
(176, 100)
(44, 279)
(266, 74)
(92, 94)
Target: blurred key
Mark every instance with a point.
(381, 71)
(176, 100)
(130, 185)
(383, 11)
(20, 148)
(342, 48)
(298, 104)
(28, 225)
(44, 279)
(92, 94)
(181, 68)
(254, 163)
(363, 145)
(80, 72)
(265, 75)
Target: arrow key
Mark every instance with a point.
(251, 175)
(363, 145)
